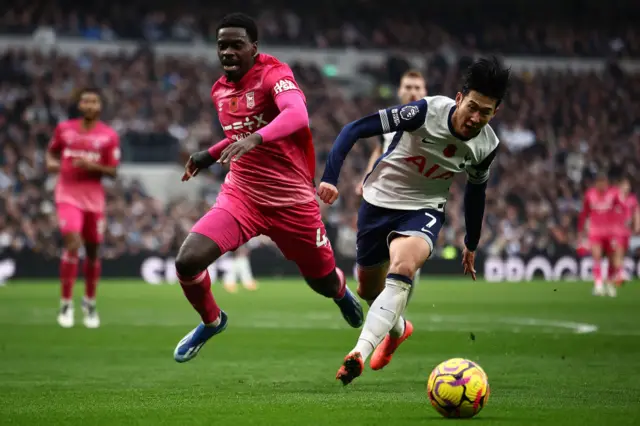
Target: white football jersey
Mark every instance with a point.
(417, 169)
(387, 138)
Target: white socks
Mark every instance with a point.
(398, 328)
(385, 314)
(243, 269)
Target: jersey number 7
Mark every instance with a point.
(430, 223)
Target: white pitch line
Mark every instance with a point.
(576, 327)
(322, 320)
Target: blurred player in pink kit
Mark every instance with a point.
(627, 221)
(269, 190)
(82, 151)
(599, 210)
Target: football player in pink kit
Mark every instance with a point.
(599, 206)
(270, 188)
(82, 151)
(628, 223)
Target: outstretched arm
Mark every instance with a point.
(474, 200)
(409, 118)
(52, 157)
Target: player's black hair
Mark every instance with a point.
(240, 20)
(488, 77)
(73, 110)
(89, 90)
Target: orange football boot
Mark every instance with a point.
(384, 352)
(352, 367)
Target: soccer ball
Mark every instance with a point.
(458, 388)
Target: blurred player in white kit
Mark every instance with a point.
(239, 268)
(413, 86)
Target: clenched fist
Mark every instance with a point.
(328, 193)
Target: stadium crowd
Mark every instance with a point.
(557, 128)
(524, 27)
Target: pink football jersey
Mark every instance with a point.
(276, 173)
(600, 209)
(625, 214)
(77, 186)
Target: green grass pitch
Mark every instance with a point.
(554, 354)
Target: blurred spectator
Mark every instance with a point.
(521, 28)
(558, 129)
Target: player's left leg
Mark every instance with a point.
(299, 233)
(93, 230)
(596, 246)
(408, 254)
(231, 222)
(70, 222)
(410, 245)
(613, 250)
(371, 282)
(623, 276)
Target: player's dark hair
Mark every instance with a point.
(240, 20)
(89, 90)
(488, 77)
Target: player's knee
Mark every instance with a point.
(195, 255)
(72, 243)
(405, 267)
(408, 254)
(91, 251)
(188, 264)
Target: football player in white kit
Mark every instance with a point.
(405, 196)
(413, 87)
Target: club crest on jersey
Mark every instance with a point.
(408, 112)
(233, 104)
(251, 99)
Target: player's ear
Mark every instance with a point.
(459, 97)
(254, 49)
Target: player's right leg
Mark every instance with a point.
(92, 234)
(613, 249)
(214, 234)
(408, 254)
(300, 235)
(406, 239)
(70, 224)
(596, 255)
(375, 224)
(620, 248)
(371, 282)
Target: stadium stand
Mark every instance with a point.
(509, 27)
(558, 127)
